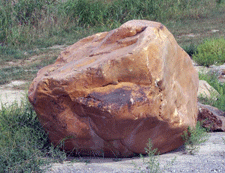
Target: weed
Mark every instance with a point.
(223, 140)
(193, 137)
(190, 49)
(24, 144)
(152, 164)
(212, 51)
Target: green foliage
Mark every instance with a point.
(212, 51)
(152, 164)
(193, 137)
(219, 1)
(85, 12)
(23, 142)
(20, 20)
(32, 22)
(15, 73)
(212, 79)
(88, 12)
(190, 49)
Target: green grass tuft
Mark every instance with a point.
(190, 49)
(151, 162)
(24, 145)
(193, 137)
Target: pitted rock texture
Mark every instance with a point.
(107, 94)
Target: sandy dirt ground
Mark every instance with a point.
(10, 95)
(210, 158)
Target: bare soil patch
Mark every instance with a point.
(11, 93)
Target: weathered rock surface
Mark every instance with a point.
(109, 93)
(211, 117)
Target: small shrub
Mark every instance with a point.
(190, 49)
(210, 52)
(193, 137)
(152, 164)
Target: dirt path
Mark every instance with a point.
(10, 95)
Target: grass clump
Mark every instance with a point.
(190, 49)
(193, 137)
(212, 51)
(152, 163)
(24, 145)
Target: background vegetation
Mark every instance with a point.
(29, 23)
(212, 51)
(29, 29)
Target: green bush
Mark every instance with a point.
(23, 142)
(190, 49)
(210, 52)
(193, 137)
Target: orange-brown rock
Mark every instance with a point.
(110, 92)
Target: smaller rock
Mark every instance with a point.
(201, 69)
(220, 71)
(211, 117)
(207, 91)
(215, 30)
(213, 69)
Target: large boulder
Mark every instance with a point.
(110, 92)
